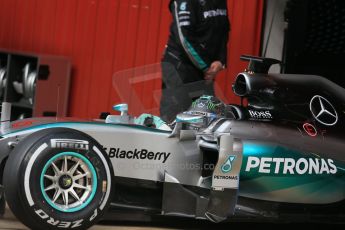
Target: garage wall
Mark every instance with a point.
(273, 33)
(103, 37)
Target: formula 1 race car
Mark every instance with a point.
(277, 157)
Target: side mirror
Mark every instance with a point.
(189, 119)
(186, 119)
(123, 108)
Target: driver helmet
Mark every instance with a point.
(208, 106)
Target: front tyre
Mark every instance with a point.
(57, 179)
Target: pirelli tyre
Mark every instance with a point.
(58, 179)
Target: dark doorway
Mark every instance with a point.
(315, 38)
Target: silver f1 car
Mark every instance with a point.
(279, 157)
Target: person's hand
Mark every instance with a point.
(214, 69)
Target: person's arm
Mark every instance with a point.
(185, 18)
(224, 51)
(221, 62)
(224, 47)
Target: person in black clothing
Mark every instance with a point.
(196, 51)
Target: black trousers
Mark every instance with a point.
(182, 83)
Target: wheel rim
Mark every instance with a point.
(68, 182)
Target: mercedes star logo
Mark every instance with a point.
(323, 111)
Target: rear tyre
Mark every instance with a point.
(58, 178)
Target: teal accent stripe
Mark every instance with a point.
(195, 55)
(195, 58)
(94, 181)
(251, 149)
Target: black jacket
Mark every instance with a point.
(199, 32)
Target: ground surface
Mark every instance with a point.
(9, 222)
